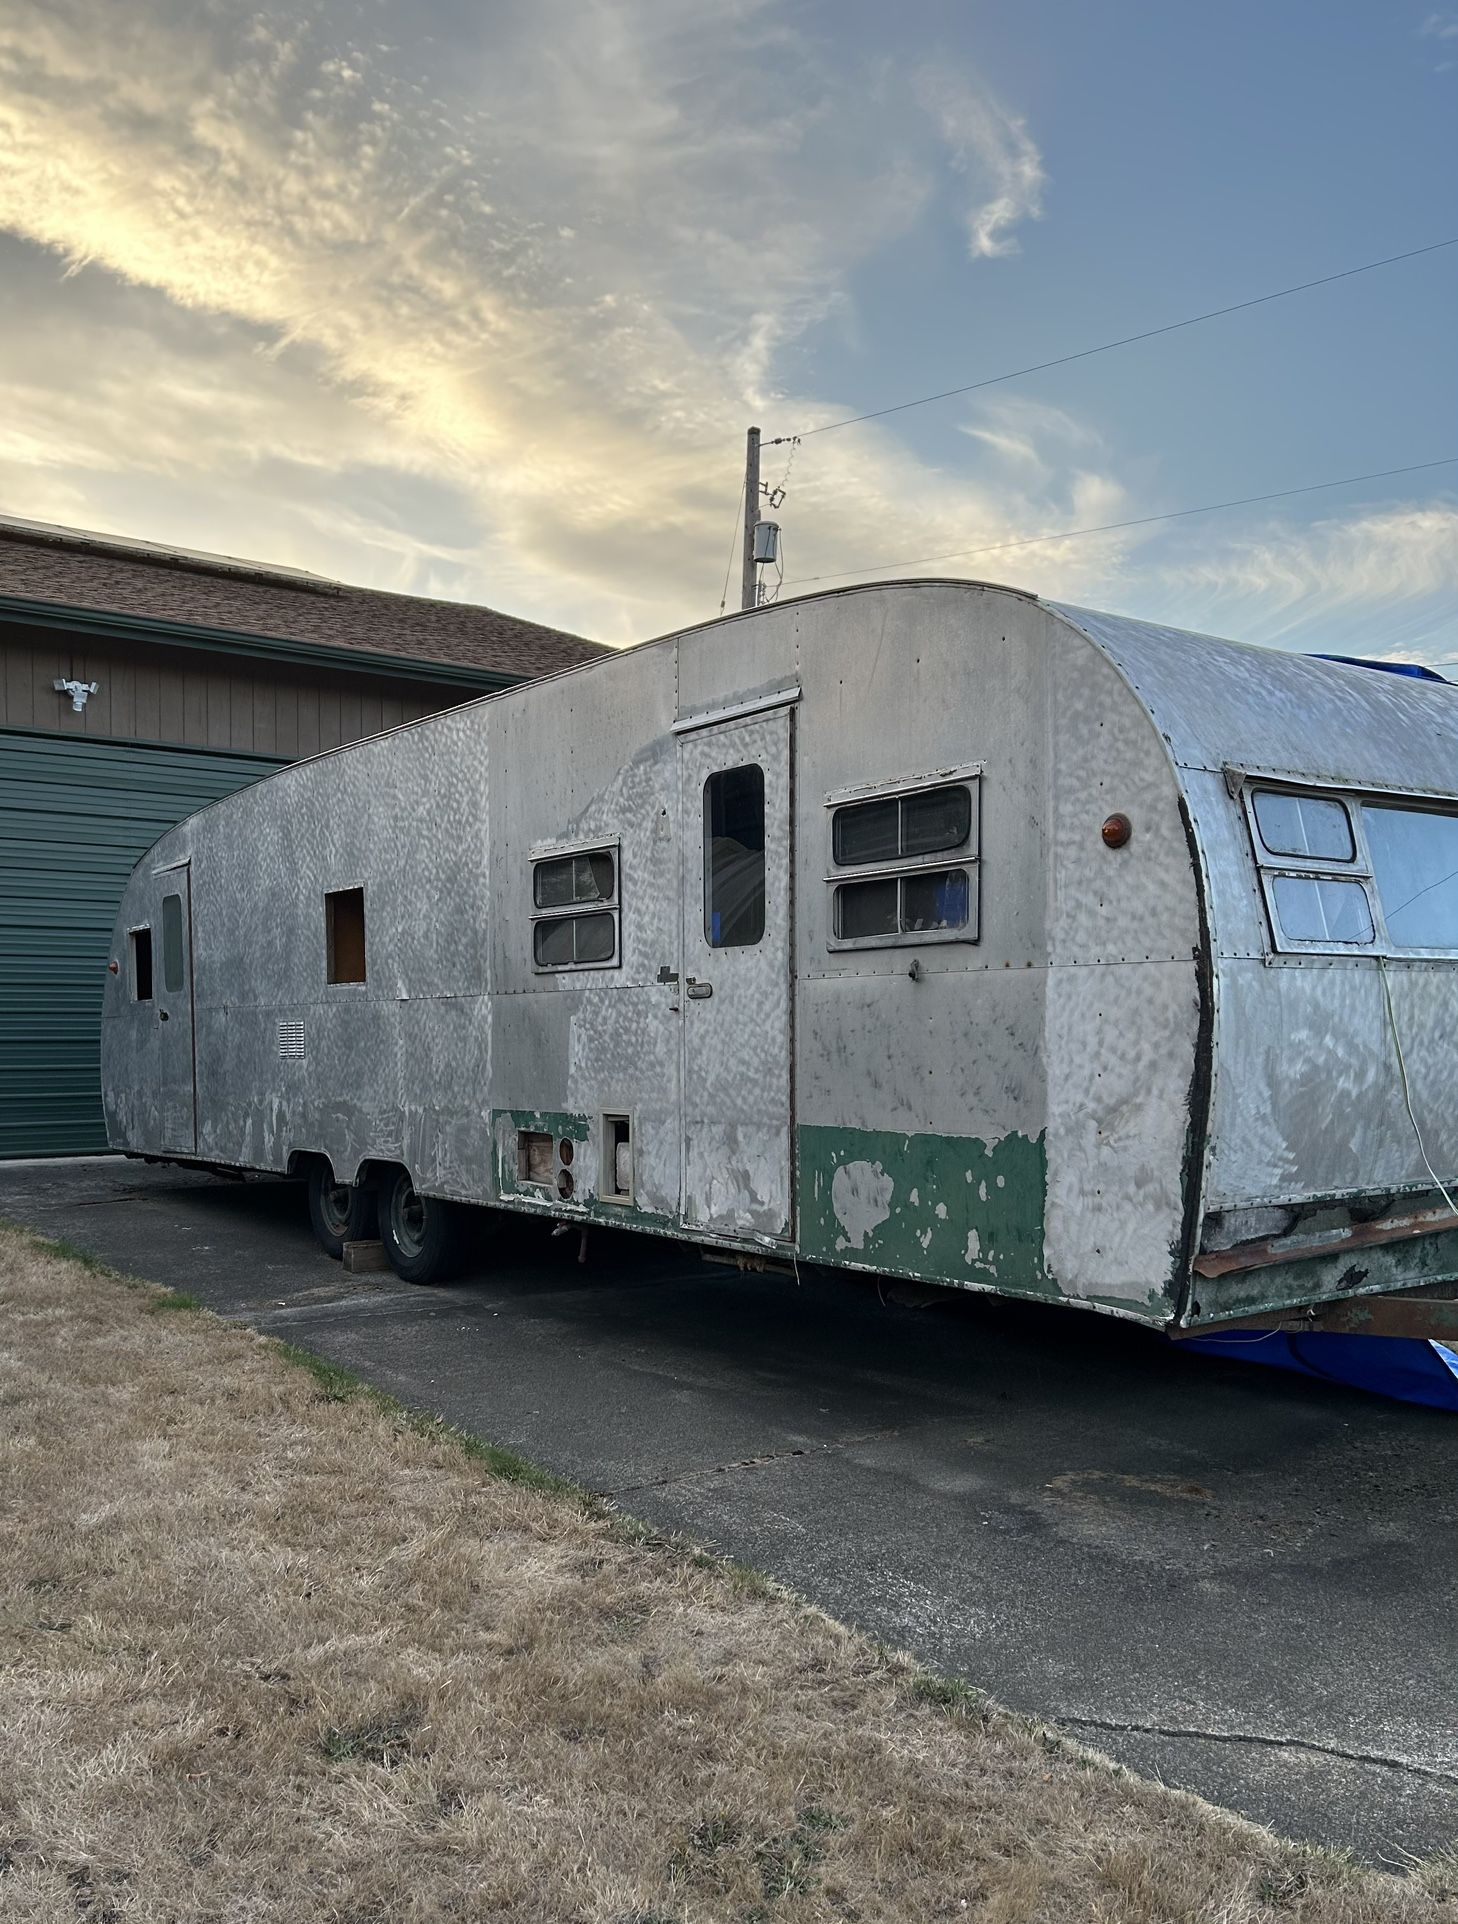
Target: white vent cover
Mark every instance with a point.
(291, 1041)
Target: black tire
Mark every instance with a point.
(421, 1234)
(338, 1212)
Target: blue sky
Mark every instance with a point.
(477, 299)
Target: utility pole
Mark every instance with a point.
(749, 590)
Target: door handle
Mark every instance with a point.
(699, 991)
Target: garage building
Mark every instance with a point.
(137, 684)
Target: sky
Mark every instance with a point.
(476, 298)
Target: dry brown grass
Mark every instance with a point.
(269, 1650)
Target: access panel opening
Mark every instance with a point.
(616, 1182)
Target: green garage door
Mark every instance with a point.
(75, 817)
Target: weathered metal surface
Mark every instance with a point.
(1424, 1316)
(1358, 1235)
(735, 1002)
(1307, 1099)
(1066, 1049)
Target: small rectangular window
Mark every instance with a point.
(344, 928)
(923, 897)
(903, 905)
(929, 821)
(172, 964)
(1415, 863)
(583, 890)
(1322, 909)
(569, 941)
(1313, 825)
(734, 857)
(574, 879)
(141, 965)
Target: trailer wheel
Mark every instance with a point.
(421, 1234)
(339, 1212)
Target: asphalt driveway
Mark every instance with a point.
(1240, 1582)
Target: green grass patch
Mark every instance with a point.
(948, 1693)
(169, 1299)
(58, 1246)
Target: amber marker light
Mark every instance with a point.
(113, 968)
(1116, 830)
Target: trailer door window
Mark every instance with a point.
(1415, 864)
(734, 857)
(172, 965)
(579, 891)
(907, 891)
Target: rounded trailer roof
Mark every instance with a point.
(1226, 704)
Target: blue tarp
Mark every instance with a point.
(1413, 668)
(1412, 1369)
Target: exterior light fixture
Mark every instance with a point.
(1116, 831)
(78, 691)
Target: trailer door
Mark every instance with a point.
(737, 975)
(175, 1054)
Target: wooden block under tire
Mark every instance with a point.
(365, 1256)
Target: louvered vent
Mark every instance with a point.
(291, 1041)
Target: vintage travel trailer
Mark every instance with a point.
(925, 928)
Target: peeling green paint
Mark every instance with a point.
(943, 1209)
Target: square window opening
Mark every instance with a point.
(536, 1157)
(734, 858)
(344, 926)
(141, 965)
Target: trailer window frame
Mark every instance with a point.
(1358, 869)
(140, 966)
(964, 856)
(556, 915)
(346, 937)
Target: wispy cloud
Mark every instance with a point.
(1377, 581)
(557, 298)
(993, 149)
(487, 316)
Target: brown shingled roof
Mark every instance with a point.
(153, 582)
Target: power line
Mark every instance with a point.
(1126, 340)
(1111, 527)
(733, 544)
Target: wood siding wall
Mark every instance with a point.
(168, 694)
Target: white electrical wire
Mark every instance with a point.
(1407, 1087)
